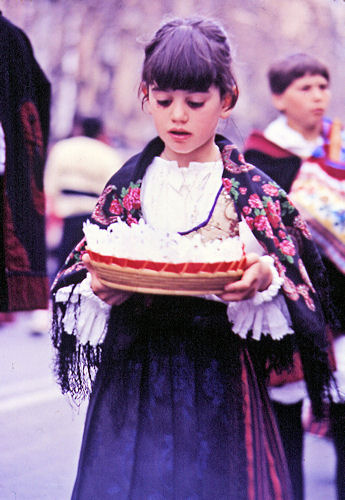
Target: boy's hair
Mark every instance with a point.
(190, 54)
(285, 71)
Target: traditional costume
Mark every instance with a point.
(313, 173)
(179, 407)
(24, 117)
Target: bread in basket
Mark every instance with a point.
(141, 259)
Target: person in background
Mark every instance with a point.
(25, 95)
(305, 153)
(179, 407)
(76, 171)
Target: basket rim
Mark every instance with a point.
(168, 274)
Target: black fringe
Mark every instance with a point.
(75, 365)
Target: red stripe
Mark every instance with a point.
(248, 432)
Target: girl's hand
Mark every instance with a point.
(109, 295)
(257, 277)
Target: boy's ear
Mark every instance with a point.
(279, 102)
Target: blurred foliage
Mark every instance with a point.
(92, 51)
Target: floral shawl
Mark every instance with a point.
(275, 223)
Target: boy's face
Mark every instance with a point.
(304, 103)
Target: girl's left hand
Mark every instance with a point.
(257, 277)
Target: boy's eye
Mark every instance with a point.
(195, 105)
(164, 102)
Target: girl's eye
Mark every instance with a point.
(195, 105)
(164, 102)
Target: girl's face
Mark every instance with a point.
(186, 122)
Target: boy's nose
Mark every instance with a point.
(318, 94)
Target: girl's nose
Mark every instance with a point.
(179, 112)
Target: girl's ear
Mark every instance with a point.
(144, 90)
(226, 106)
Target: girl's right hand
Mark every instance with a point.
(109, 295)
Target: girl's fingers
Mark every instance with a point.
(257, 276)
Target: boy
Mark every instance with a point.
(305, 154)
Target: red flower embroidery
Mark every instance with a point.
(255, 201)
(256, 178)
(280, 267)
(135, 194)
(272, 215)
(246, 210)
(304, 292)
(282, 234)
(287, 247)
(268, 231)
(250, 222)
(260, 222)
(290, 289)
(305, 275)
(277, 205)
(131, 220)
(132, 199)
(299, 223)
(115, 207)
(243, 190)
(227, 184)
(270, 190)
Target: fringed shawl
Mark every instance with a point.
(275, 223)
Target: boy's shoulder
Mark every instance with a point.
(257, 141)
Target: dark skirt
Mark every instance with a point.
(177, 411)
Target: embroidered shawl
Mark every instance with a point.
(24, 115)
(275, 223)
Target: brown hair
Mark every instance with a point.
(285, 71)
(190, 54)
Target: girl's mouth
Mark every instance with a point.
(179, 134)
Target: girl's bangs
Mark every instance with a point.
(182, 66)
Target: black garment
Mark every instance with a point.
(24, 116)
(337, 421)
(168, 416)
(289, 419)
(72, 233)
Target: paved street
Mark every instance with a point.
(40, 432)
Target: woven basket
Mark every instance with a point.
(166, 278)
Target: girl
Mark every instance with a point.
(178, 408)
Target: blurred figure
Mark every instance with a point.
(305, 153)
(24, 129)
(76, 171)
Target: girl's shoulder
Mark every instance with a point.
(134, 168)
(126, 173)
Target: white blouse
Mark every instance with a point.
(178, 201)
